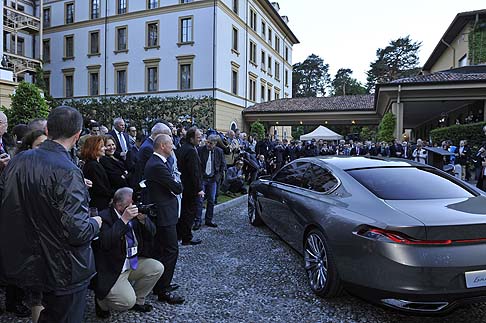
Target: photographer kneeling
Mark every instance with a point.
(125, 275)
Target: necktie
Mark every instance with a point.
(133, 259)
(1, 148)
(209, 164)
(123, 144)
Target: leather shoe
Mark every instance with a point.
(211, 224)
(19, 309)
(196, 227)
(145, 308)
(192, 242)
(170, 298)
(172, 287)
(101, 313)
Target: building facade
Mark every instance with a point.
(237, 51)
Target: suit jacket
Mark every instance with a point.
(362, 151)
(162, 190)
(117, 142)
(144, 153)
(219, 162)
(116, 171)
(190, 167)
(394, 149)
(101, 192)
(110, 250)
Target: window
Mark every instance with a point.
(47, 82)
(68, 82)
(47, 17)
(264, 29)
(46, 50)
(269, 94)
(121, 6)
(20, 49)
(234, 42)
(121, 39)
(286, 54)
(253, 19)
(152, 34)
(234, 81)
(94, 83)
(94, 42)
(277, 44)
(69, 13)
(95, 9)
(252, 52)
(69, 47)
(277, 71)
(252, 89)
(235, 6)
(262, 93)
(121, 77)
(186, 30)
(263, 59)
(184, 80)
(292, 174)
(152, 4)
(286, 78)
(152, 79)
(277, 94)
(270, 36)
(185, 77)
(269, 65)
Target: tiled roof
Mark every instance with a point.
(321, 104)
(442, 77)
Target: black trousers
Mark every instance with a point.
(63, 308)
(189, 205)
(166, 250)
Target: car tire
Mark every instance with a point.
(254, 210)
(320, 266)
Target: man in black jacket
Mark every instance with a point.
(213, 165)
(125, 273)
(189, 165)
(44, 214)
(162, 189)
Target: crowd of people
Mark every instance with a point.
(87, 207)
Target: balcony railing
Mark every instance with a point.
(14, 20)
(20, 64)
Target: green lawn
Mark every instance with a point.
(225, 198)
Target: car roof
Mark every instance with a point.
(357, 162)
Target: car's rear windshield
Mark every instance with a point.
(408, 183)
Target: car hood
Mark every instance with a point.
(448, 219)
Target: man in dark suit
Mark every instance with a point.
(125, 273)
(191, 176)
(213, 165)
(359, 150)
(122, 139)
(162, 189)
(396, 149)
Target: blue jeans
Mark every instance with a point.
(209, 188)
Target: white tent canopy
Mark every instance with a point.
(321, 133)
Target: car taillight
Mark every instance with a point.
(400, 238)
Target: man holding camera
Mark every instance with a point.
(162, 189)
(126, 274)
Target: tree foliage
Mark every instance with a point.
(472, 132)
(27, 104)
(310, 78)
(144, 111)
(386, 128)
(397, 60)
(344, 84)
(297, 132)
(259, 129)
(367, 133)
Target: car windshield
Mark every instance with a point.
(408, 183)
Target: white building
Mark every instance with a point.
(237, 51)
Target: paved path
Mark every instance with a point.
(246, 274)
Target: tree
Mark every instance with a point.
(398, 60)
(367, 134)
(344, 84)
(297, 132)
(27, 104)
(310, 78)
(259, 129)
(386, 128)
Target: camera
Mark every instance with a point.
(145, 208)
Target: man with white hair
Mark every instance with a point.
(122, 139)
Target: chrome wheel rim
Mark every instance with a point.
(316, 264)
(251, 208)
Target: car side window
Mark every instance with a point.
(291, 174)
(319, 179)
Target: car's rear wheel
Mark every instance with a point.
(320, 266)
(254, 210)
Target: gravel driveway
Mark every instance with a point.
(245, 274)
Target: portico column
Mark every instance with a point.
(484, 110)
(397, 110)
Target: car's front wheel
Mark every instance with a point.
(320, 266)
(254, 210)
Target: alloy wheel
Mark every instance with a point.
(316, 262)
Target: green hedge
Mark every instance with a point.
(473, 133)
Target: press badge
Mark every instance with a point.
(132, 252)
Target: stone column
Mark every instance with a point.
(397, 110)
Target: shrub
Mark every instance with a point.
(259, 129)
(473, 133)
(27, 104)
(387, 128)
